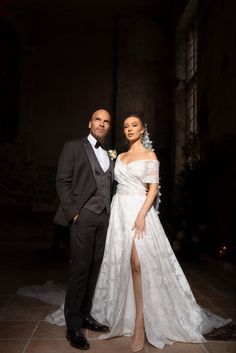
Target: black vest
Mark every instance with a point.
(102, 197)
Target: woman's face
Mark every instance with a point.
(133, 128)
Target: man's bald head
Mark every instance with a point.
(100, 124)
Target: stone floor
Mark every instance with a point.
(22, 325)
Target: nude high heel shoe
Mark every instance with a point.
(139, 346)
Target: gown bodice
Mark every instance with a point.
(133, 177)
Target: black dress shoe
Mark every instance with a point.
(77, 339)
(93, 325)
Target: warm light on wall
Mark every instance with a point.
(222, 250)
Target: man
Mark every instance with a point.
(84, 185)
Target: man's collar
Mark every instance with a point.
(92, 140)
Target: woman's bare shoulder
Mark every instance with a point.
(122, 154)
(151, 155)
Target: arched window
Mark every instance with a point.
(191, 80)
(186, 115)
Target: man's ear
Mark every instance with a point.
(89, 125)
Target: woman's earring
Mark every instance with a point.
(141, 137)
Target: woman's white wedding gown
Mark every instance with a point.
(170, 311)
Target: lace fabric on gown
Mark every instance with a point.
(170, 309)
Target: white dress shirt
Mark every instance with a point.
(101, 154)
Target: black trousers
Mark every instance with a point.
(88, 236)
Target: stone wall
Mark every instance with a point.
(217, 114)
(66, 69)
(214, 190)
(217, 72)
(73, 59)
(144, 85)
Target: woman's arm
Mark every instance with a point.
(140, 223)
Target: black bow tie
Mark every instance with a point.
(98, 144)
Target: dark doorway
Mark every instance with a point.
(9, 82)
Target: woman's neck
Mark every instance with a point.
(137, 146)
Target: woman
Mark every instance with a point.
(141, 289)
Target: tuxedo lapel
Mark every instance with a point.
(90, 154)
(93, 159)
(111, 166)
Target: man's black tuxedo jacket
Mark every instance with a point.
(75, 179)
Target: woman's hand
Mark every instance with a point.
(140, 222)
(139, 227)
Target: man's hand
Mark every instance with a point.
(75, 218)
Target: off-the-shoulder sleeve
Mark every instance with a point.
(151, 172)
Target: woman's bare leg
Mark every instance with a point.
(138, 338)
